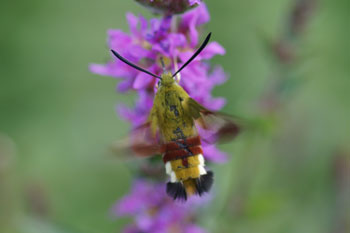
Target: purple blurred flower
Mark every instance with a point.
(155, 212)
(155, 38)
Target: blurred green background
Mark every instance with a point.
(290, 174)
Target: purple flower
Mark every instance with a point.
(155, 212)
(147, 42)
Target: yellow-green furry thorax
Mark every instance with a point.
(170, 110)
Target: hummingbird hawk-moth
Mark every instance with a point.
(171, 130)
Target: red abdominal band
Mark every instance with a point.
(171, 146)
(180, 154)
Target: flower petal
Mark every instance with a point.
(212, 49)
(100, 69)
(137, 51)
(125, 85)
(218, 76)
(142, 80)
(192, 19)
(133, 22)
(213, 154)
(118, 40)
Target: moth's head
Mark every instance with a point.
(167, 79)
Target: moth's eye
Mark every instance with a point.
(159, 83)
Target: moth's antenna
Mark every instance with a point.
(163, 66)
(195, 54)
(133, 65)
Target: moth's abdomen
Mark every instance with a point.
(184, 163)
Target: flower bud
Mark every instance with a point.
(169, 6)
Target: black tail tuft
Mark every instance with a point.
(176, 191)
(204, 183)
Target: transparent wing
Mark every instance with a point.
(213, 126)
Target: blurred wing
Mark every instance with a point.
(213, 126)
(142, 142)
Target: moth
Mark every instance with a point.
(171, 130)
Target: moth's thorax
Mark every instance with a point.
(173, 120)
